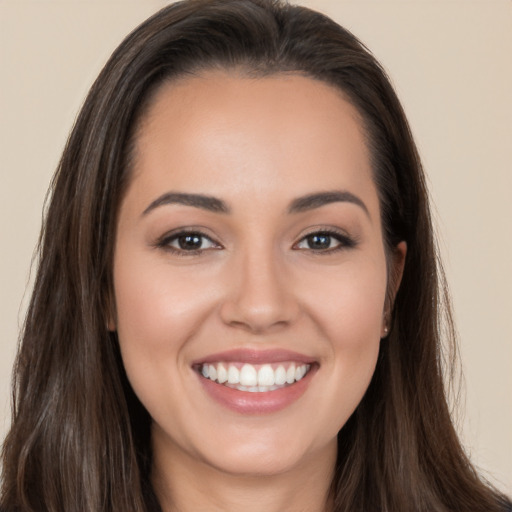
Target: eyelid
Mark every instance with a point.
(165, 240)
(345, 240)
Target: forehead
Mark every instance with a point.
(283, 133)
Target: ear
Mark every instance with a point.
(396, 264)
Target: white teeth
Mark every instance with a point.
(280, 376)
(233, 375)
(254, 379)
(222, 374)
(290, 374)
(248, 375)
(212, 372)
(266, 376)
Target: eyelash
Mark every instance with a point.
(344, 242)
(166, 240)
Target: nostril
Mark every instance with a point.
(256, 320)
(258, 327)
(258, 297)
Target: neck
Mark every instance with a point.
(184, 484)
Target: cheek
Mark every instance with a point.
(354, 319)
(158, 312)
(155, 308)
(350, 315)
(349, 303)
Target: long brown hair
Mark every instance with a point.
(79, 439)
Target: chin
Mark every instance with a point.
(267, 454)
(256, 463)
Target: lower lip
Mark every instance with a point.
(245, 402)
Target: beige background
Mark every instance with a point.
(450, 61)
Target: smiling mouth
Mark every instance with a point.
(255, 378)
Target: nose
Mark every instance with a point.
(260, 295)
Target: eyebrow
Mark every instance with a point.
(312, 201)
(213, 204)
(209, 203)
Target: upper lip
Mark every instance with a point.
(254, 356)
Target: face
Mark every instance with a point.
(250, 272)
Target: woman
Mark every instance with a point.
(237, 301)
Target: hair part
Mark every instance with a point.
(80, 439)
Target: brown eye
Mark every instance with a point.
(325, 241)
(188, 242)
(319, 241)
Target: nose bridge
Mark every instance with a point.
(259, 297)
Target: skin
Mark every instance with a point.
(256, 282)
